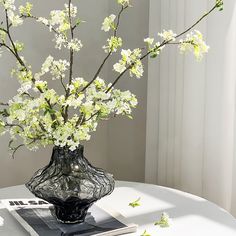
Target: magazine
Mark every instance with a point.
(36, 216)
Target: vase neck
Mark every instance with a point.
(61, 154)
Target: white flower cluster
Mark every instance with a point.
(40, 116)
(26, 10)
(22, 74)
(59, 21)
(124, 2)
(194, 43)
(8, 4)
(75, 45)
(113, 44)
(14, 18)
(153, 49)
(165, 221)
(149, 41)
(56, 68)
(108, 23)
(168, 35)
(130, 59)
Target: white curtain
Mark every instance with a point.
(191, 120)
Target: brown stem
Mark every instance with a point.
(4, 104)
(148, 53)
(109, 54)
(71, 64)
(197, 22)
(14, 125)
(161, 45)
(16, 149)
(71, 51)
(97, 73)
(63, 85)
(15, 53)
(12, 43)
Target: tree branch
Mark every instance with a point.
(109, 54)
(197, 22)
(14, 125)
(161, 45)
(148, 53)
(71, 63)
(12, 43)
(4, 104)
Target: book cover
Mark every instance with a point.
(37, 217)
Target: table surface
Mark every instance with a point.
(191, 215)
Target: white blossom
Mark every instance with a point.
(119, 67)
(75, 45)
(168, 35)
(108, 23)
(16, 20)
(124, 2)
(43, 20)
(194, 42)
(149, 40)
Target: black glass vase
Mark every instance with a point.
(71, 184)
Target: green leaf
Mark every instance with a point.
(164, 222)
(78, 22)
(136, 203)
(145, 233)
(220, 5)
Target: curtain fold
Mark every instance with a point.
(191, 105)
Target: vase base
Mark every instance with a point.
(70, 222)
(71, 211)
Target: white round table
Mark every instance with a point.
(191, 215)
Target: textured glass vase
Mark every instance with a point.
(71, 184)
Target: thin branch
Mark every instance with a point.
(4, 104)
(16, 149)
(161, 45)
(197, 22)
(14, 125)
(6, 46)
(37, 18)
(109, 54)
(148, 53)
(28, 95)
(97, 73)
(118, 19)
(11, 40)
(71, 63)
(71, 51)
(62, 83)
(15, 52)
(3, 30)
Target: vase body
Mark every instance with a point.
(71, 184)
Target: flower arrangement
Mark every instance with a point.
(38, 114)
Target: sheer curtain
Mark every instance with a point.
(191, 106)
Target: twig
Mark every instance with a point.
(71, 64)
(4, 104)
(14, 125)
(109, 54)
(148, 53)
(16, 149)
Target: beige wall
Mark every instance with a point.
(119, 144)
(126, 138)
